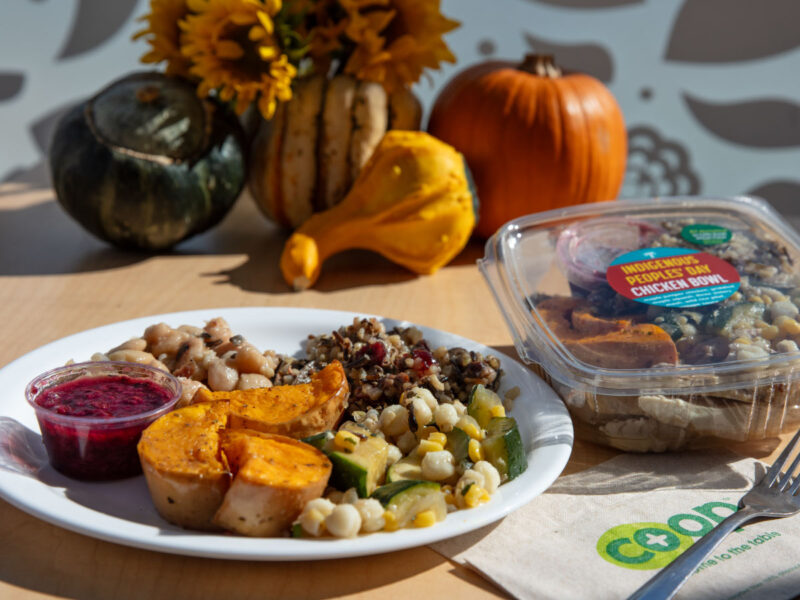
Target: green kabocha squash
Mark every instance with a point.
(145, 163)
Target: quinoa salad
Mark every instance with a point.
(424, 432)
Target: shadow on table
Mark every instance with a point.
(39, 238)
(350, 269)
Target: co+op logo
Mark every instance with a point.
(644, 546)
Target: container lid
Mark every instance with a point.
(661, 296)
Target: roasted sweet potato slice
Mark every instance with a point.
(186, 475)
(274, 478)
(293, 410)
(605, 342)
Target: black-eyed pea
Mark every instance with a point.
(139, 344)
(221, 377)
(249, 359)
(136, 356)
(250, 381)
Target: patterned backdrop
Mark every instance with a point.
(710, 88)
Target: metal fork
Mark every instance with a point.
(775, 496)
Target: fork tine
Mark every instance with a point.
(795, 486)
(788, 474)
(775, 470)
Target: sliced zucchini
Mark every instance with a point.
(404, 500)
(481, 402)
(321, 441)
(363, 468)
(503, 447)
(408, 468)
(297, 531)
(458, 445)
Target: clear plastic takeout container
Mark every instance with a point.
(662, 323)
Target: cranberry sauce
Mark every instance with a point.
(93, 444)
(104, 397)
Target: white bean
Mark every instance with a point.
(344, 521)
(350, 496)
(407, 442)
(491, 477)
(314, 514)
(437, 466)
(394, 420)
(446, 417)
(422, 412)
(394, 454)
(461, 410)
(371, 512)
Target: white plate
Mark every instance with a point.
(122, 512)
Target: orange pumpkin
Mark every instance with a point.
(533, 138)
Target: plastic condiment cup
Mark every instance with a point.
(93, 447)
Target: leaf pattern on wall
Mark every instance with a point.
(591, 59)
(10, 85)
(657, 166)
(783, 195)
(95, 22)
(764, 123)
(588, 3)
(715, 31)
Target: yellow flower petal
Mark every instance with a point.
(256, 33)
(266, 22)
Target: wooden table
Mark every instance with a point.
(56, 280)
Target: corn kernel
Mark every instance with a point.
(426, 446)
(790, 326)
(346, 441)
(450, 499)
(497, 411)
(741, 340)
(438, 437)
(425, 519)
(770, 332)
(736, 296)
(476, 495)
(470, 426)
(758, 299)
(475, 451)
(390, 521)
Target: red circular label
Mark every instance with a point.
(672, 277)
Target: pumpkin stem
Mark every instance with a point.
(541, 65)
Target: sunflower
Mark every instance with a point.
(233, 49)
(163, 34)
(395, 41)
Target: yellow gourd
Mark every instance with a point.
(411, 203)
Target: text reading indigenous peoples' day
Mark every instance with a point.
(661, 275)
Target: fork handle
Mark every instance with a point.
(666, 583)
